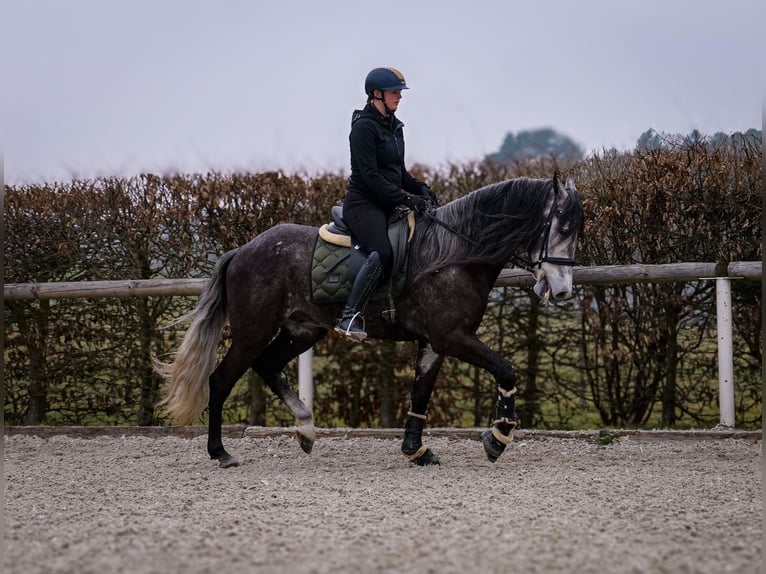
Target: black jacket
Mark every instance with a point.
(377, 159)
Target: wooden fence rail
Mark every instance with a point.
(597, 275)
(603, 275)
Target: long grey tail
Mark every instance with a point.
(188, 392)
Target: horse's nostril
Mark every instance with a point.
(562, 295)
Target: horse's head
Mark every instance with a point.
(554, 254)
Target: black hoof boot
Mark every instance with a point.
(492, 446)
(412, 445)
(500, 434)
(428, 458)
(421, 455)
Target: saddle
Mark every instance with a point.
(337, 260)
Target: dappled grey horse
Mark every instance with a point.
(456, 254)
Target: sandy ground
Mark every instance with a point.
(136, 504)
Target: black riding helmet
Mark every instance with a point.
(384, 79)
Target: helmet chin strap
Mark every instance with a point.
(382, 99)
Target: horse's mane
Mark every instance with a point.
(493, 223)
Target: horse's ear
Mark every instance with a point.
(570, 184)
(556, 181)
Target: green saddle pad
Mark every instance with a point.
(329, 275)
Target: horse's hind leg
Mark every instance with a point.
(222, 381)
(269, 365)
(426, 371)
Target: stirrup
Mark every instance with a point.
(355, 335)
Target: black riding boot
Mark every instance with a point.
(351, 322)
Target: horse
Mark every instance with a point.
(262, 289)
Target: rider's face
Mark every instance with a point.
(392, 98)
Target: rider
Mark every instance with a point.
(379, 182)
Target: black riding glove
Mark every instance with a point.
(416, 203)
(425, 191)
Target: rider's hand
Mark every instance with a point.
(416, 203)
(425, 191)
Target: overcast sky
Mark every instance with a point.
(97, 87)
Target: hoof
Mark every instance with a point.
(428, 458)
(423, 456)
(226, 461)
(306, 436)
(492, 447)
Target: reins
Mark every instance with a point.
(431, 215)
(517, 261)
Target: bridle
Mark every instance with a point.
(533, 266)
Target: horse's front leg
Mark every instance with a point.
(467, 347)
(426, 371)
(500, 434)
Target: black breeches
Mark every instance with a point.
(369, 226)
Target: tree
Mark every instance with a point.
(736, 141)
(534, 144)
(649, 140)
